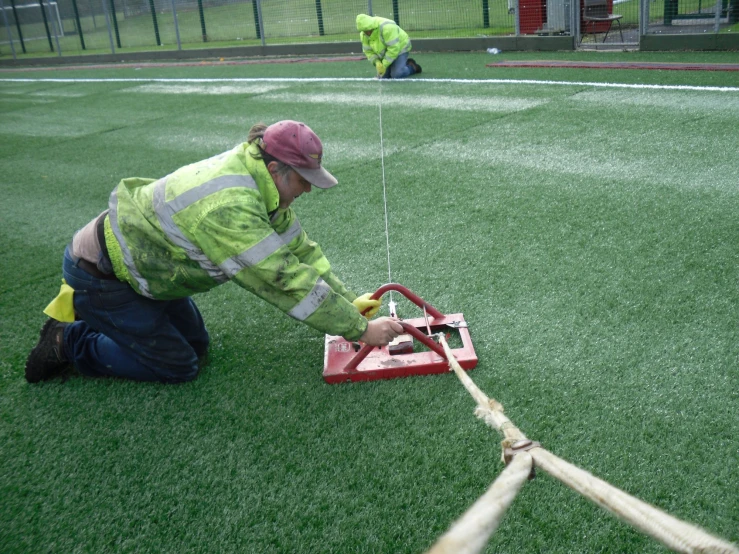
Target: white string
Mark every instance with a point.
(384, 198)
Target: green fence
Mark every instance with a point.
(72, 27)
(104, 26)
(693, 16)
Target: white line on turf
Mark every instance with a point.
(357, 79)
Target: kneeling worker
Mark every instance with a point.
(386, 46)
(125, 309)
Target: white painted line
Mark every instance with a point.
(392, 83)
(209, 88)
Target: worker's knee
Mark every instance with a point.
(179, 374)
(178, 366)
(174, 379)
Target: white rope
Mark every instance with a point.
(384, 199)
(488, 409)
(675, 534)
(470, 533)
(670, 531)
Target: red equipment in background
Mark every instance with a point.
(532, 16)
(352, 361)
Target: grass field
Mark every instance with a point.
(588, 233)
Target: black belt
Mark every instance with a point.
(91, 268)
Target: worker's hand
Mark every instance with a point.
(381, 331)
(380, 68)
(371, 305)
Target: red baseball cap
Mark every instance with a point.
(296, 145)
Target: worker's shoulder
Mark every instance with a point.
(216, 193)
(233, 208)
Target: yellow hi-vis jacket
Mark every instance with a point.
(386, 43)
(218, 220)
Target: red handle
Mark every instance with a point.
(411, 330)
(417, 300)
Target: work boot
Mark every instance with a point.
(414, 66)
(47, 359)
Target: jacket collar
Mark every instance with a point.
(258, 170)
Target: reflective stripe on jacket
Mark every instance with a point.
(218, 220)
(386, 43)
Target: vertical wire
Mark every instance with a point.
(384, 198)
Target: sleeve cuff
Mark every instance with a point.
(356, 333)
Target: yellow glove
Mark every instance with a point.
(364, 302)
(62, 307)
(380, 68)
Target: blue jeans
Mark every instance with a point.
(120, 333)
(399, 69)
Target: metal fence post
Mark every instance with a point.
(154, 19)
(202, 20)
(396, 12)
(485, 14)
(7, 30)
(717, 21)
(255, 9)
(18, 26)
(54, 27)
(260, 21)
(518, 18)
(643, 17)
(79, 25)
(46, 24)
(575, 19)
(369, 7)
(319, 15)
(176, 25)
(107, 23)
(115, 23)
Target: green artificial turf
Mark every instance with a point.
(588, 234)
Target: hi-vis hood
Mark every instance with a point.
(367, 22)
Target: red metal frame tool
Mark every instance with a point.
(352, 361)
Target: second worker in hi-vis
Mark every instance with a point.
(387, 47)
